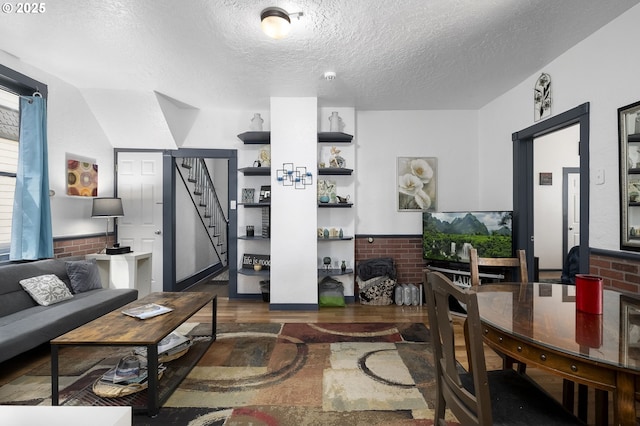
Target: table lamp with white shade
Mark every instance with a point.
(107, 208)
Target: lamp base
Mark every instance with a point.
(118, 250)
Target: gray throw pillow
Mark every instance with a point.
(84, 275)
(46, 289)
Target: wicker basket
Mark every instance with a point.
(167, 358)
(380, 301)
(114, 390)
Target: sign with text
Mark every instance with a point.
(249, 260)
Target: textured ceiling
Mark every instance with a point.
(407, 54)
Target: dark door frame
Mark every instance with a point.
(169, 212)
(523, 180)
(566, 171)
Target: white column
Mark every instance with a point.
(294, 139)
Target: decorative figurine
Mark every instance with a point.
(336, 160)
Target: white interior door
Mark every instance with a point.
(140, 187)
(573, 210)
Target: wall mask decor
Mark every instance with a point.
(542, 97)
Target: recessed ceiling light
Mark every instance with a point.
(329, 75)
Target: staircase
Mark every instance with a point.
(196, 178)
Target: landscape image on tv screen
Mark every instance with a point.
(449, 236)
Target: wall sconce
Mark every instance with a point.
(290, 175)
(276, 22)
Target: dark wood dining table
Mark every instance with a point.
(538, 324)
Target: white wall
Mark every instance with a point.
(451, 136)
(602, 70)
(71, 128)
(551, 154)
(194, 251)
(218, 129)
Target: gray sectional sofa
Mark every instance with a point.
(25, 324)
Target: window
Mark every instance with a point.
(9, 139)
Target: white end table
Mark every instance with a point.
(130, 270)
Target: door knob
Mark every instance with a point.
(158, 232)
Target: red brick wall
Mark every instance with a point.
(405, 250)
(621, 272)
(618, 270)
(67, 247)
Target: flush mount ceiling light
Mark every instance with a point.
(330, 75)
(276, 22)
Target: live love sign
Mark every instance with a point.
(248, 260)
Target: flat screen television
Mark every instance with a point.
(448, 236)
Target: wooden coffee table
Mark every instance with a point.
(118, 329)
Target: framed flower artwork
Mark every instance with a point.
(417, 183)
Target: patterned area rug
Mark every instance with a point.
(274, 374)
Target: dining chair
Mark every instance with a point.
(520, 262)
(479, 397)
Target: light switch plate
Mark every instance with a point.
(599, 177)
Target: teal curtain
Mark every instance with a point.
(31, 234)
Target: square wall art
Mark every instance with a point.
(82, 177)
(417, 183)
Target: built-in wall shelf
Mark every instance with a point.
(345, 238)
(255, 137)
(335, 205)
(323, 272)
(251, 205)
(334, 137)
(264, 137)
(334, 171)
(255, 171)
(253, 238)
(252, 272)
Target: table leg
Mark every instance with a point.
(214, 319)
(152, 391)
(624, 402)
(55, 398)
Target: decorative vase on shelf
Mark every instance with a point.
(343, 266)
(341, 234)
(256, 122)
(334, 122)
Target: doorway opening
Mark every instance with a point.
(555, 199)
(524, 183)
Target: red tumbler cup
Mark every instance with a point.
(589, 293)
